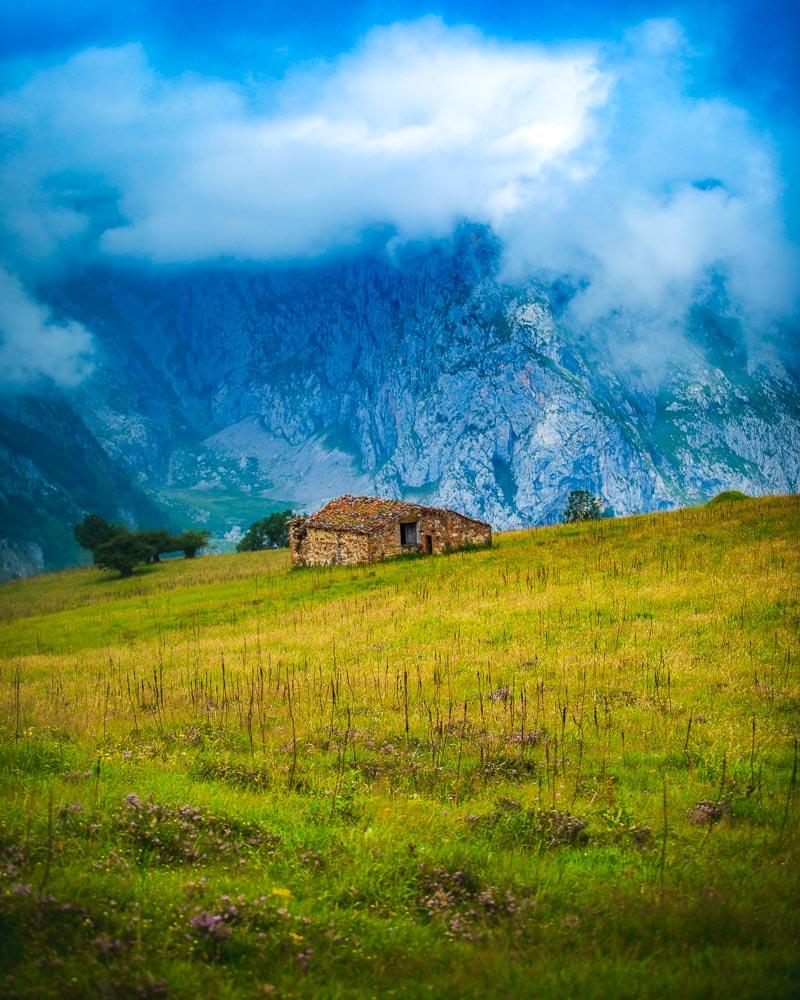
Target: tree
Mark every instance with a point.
(93, 530)
(160, 541)
(582, 506)
(270, 532)
(190, 542)
(122, 552)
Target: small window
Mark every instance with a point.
(409, 534)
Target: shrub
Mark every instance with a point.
(727, 496)
(186, 834)
(582, 506)
(94, 530)
(123, 553)
(545, 829)
(190, 542)
(270, 532)
(159, 542)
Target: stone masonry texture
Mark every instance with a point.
(351, 531)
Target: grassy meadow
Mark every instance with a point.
(564, 766)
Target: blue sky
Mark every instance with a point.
(755, 47)
(649, 150)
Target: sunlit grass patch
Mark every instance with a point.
(562, 765)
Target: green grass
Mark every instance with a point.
(217, 509)
(727, 496)
(562, 766)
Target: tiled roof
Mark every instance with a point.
(365, 514)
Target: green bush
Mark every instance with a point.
(113, 546)
(270, 532)
(94, 530)
(727, 496)
(190, 542)
(123, 553)
(582, 506)
(159, 542)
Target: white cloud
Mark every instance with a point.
(678, 190)
(418, 127)
(591, 161)
(34, 345)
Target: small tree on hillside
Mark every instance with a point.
(159, 541)
(582, 506)
(270, 532)
(122, 552)
(93, 530)
(190, 542)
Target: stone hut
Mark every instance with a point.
(354, 530)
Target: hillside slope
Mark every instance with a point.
(562, 766)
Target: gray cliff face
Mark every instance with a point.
(227, 393)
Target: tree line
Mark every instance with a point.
(271, 532)
(116, 547)
(113, 546)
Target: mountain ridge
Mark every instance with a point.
(223, 393)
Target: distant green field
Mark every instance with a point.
(216, 508)
(564, 766)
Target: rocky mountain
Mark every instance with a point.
(221, 394)
(52, 471)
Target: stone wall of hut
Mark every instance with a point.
(438, 531)
(446, 529)
(311, 546)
